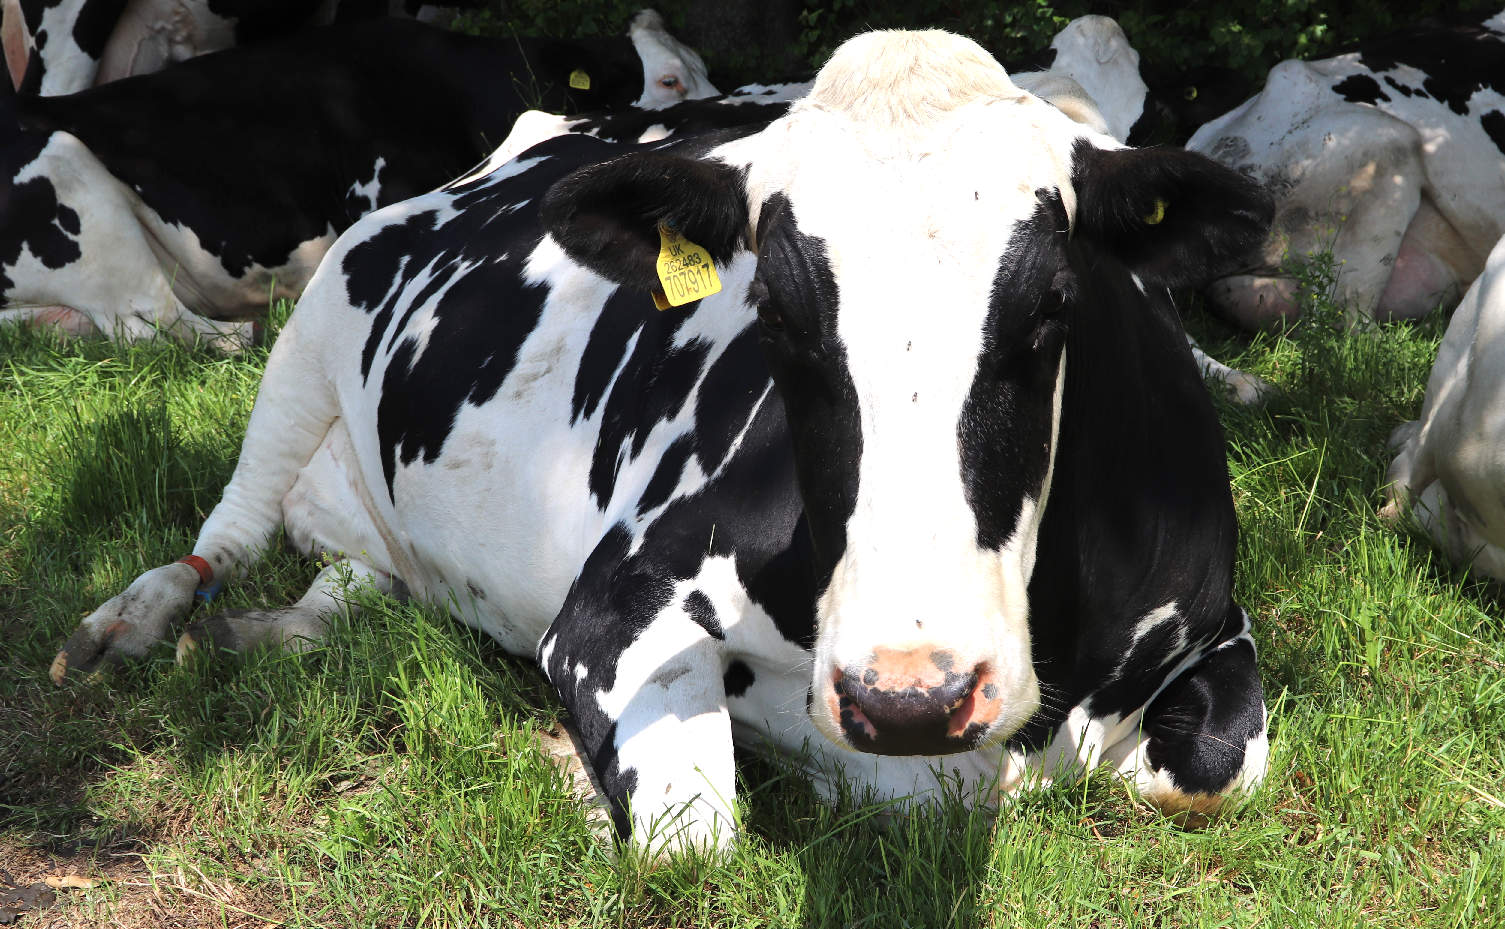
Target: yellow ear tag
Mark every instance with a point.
(685, 271)
(579, 80)
(1154, 218)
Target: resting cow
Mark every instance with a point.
(931, 474)
(1393, 157)
(65, 46)
(1448, 468)
(210, 188)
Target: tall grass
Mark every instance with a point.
(393, 777)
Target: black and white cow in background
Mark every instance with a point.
(1392, 156)
(211, 188)
(64, 46)
(929, 488)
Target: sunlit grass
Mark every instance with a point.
(391, 776)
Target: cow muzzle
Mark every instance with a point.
(921, 701)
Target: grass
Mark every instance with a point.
(393, 777)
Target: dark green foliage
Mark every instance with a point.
(1169, 34)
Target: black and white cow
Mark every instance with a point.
(204, 191)
(1392, 157)
(930, 488)
(64, 46)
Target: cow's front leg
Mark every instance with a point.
(649, 703)
(1203, 738)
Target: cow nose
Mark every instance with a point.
(915, 702)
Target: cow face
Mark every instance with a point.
(672, 71)
(922, 230)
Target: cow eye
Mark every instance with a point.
(1190, 93)
(669, 81)
(770, 318)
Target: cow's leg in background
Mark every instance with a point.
(75, 241)
(648, 699)
(1246, 389)
(288, 473)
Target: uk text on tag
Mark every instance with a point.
(685, 271)
(579, 80)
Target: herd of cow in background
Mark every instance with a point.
(474, 223)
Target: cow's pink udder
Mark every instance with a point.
(64, 319)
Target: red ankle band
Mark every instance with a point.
(206, 573)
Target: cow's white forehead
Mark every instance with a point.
(904, 127)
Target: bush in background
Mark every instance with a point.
(752, 40)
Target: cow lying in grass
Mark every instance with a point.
(65, 46)
(178, 200)
(1448, 469)
(1391, 157)
(919, 477)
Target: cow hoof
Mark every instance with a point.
(88, 651)
(59, 668)
(187, 647)
(1246, 389)
(218, 632)
(233, 338)
(292, 629)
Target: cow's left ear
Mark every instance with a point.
(606, 216)
(1173, 217)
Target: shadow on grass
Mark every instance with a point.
(864, 865)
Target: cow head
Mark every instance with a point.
(672, 71)
(912, 239)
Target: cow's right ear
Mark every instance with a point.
(606, 216)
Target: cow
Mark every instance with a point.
(178, 200)
(1141, 105)
(917, 479)
(65, 46)
(1391, 157)
(1447, 471)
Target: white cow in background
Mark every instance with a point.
(1449, 470)
(1392, 157)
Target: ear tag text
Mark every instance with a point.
(1157, 214)
(685, 271)
(579, 80)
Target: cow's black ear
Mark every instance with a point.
(1173, 217)
(606, 216)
